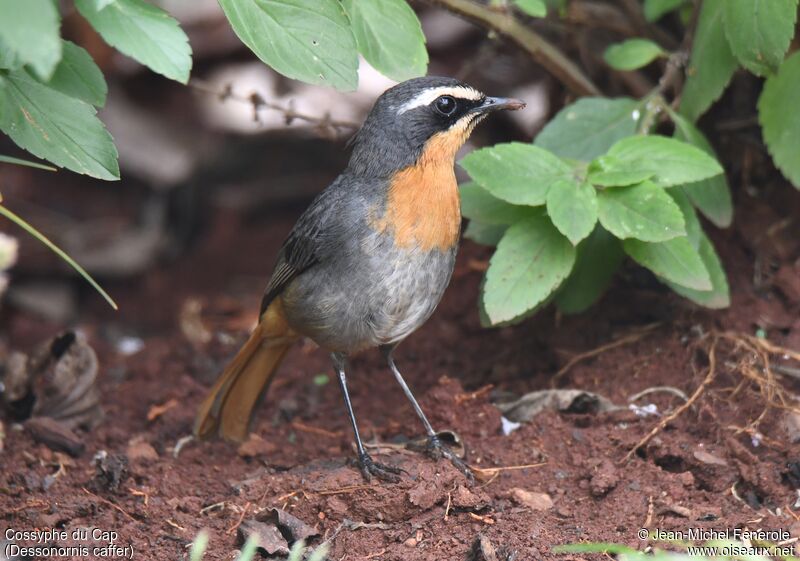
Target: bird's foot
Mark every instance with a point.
(370, 467)
(436, 449)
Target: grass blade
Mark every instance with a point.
(18, 162)
(58, 251)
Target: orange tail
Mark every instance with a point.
(228, 408)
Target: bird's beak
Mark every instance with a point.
(491, 104)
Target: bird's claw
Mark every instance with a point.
(436, 449)
(370, 467)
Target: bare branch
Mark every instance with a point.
(541, 50)
(325, 124)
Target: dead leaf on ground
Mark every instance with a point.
(563, 400)
(289, 525)
(270, 540)
(56, 381)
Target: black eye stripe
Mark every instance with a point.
(453, 108)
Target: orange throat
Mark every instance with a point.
(422, 205)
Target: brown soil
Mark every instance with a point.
(701, 471)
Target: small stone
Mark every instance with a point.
(466, 499)
(604, 479)
(532, 499)
(256, 446)
(141, 450)
(709, 458)
(410, 542)
(686, 478)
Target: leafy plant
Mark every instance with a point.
(50, 88)
(601, 182)
(568, 213)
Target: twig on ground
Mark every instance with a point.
(541, 50)
(491, 473)
(462, 397)
(238, 523)
(658, 389)
(113, 505)
(650, 511)
(633, 337)
(712, 372)
(302, 427)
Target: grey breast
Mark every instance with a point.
(367, 292)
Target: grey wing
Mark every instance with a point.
(306, 246)
(298, 254)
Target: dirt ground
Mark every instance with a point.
(723, 463)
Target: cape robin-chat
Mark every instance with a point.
(367, 263)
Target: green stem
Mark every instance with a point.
(43, 239)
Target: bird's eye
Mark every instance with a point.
(445, 105)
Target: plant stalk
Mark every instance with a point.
(541, 50)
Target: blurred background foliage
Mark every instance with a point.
(597, 75)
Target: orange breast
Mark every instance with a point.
(422, 205)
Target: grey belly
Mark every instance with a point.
(377, 295)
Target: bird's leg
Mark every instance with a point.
(366, 464)
(435, 448)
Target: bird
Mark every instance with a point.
(368, 261)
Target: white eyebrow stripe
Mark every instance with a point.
(425, 97)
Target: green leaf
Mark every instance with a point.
(572, 207)
(589, 127)
(389, 36)
(780, 119)
(644, 211)
(711, 196)
(518, 173)
(78, 76)
(690, 220)
(30, 29)
(670, 161)
(56, 127)
(533, 8)
(615, 178)
(712, 63)
(100, 4)
(308, 40)
(656, 9)
(143, 32)
(478, 204)
(719, 295)
(759, 32)
(530, 263)
(485, 234)
(675, 260)
(598, 258)
(8, 58)
(18, 162)
(633, 54)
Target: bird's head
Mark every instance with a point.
(418, 116)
